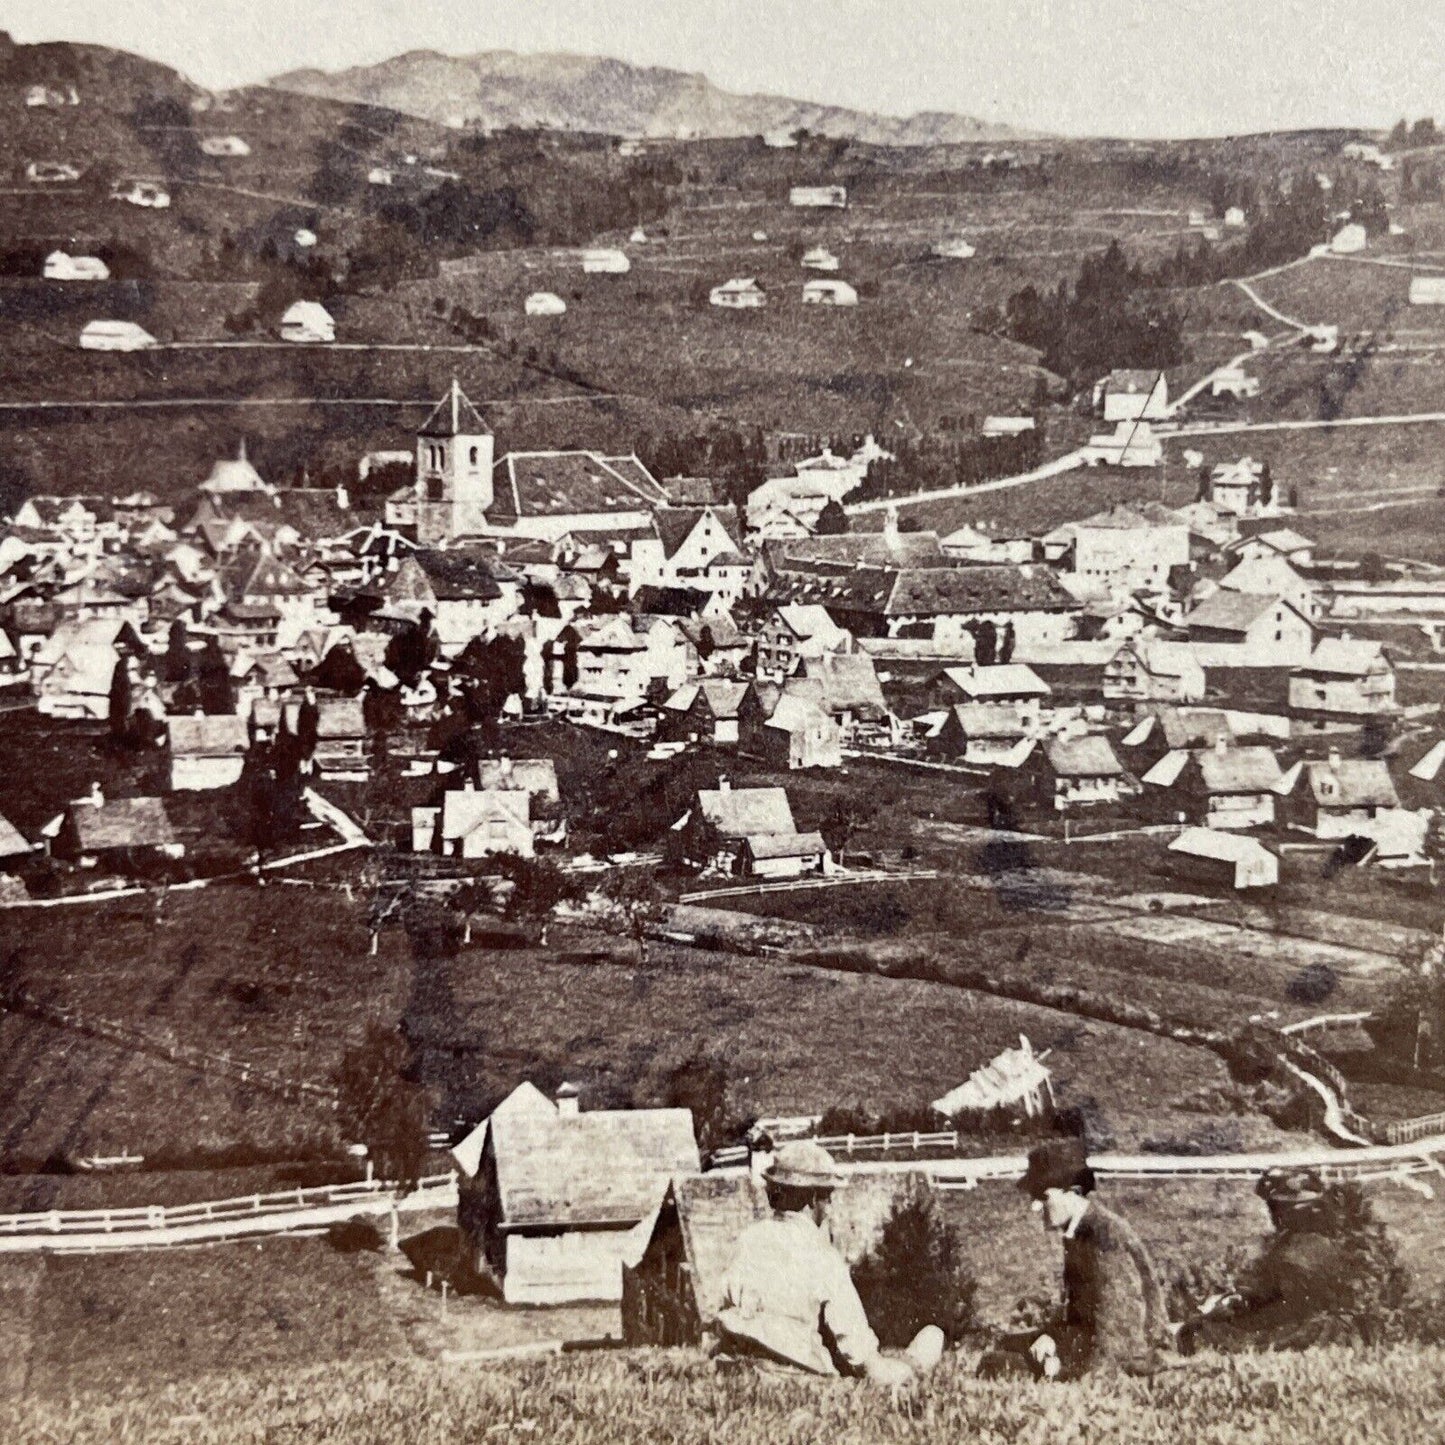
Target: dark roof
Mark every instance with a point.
(452, 576)
(122, 823)
(453, 416)
(676, 524)
(1229, 611)
(712, 1211)
(1086, 757)
(632, 469)
(849, 683)
(1195, 727)
(208, 736)
(650, 601)
(552, 484)
(746, 812)
(853, 549)
(935, 591)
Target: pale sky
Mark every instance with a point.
(1078, 67)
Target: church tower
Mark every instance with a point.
(454, 455)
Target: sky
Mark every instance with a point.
(1072, 67)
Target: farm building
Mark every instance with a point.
(737, 830)
(1273, 576)
(341, 737)
(820, 259)
(545, 303)
(476, 823)
(305, 238)
(61, 266)
(47, 173)
(1246, 629)
(1132, 396)
(739, 294)
(984, 734)
(819, 197)
(307, 321)
(829, 293)
(115, 336)
(1223, 787)
(1015, 1077)
(1007, 426)
(794, 632)
(1151, 670)
(224, 145)
(1348, 240)
(206, 751)
(1237, 487)
(955, 250)
(605, 261)
(1284, 542)
(703, 711)
(1078, 773)
(142, 193)
(1344, 677)
(1236, 862)
(52, 97)
(554, 1200)
(233, 476)
(798, 733)
(1427, 291)
(1341, 797)
(1014, 683)
(1234, 381)
(1235, 219)
(99, 831)
(380, 176)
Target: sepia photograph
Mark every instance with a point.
(722, 724)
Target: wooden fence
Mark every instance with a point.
(288, 1212)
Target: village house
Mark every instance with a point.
(107, 334)
(224, 145)
(1342, 797)
(788, 731)
(206, 751)
(476, 823)
(1246, 629)
(1068, 774)
(308, 322)
(985, 734)
(340, 736)
(820, 258)
(72, 519)
(703, 712)
(793, 632)
(1238, 487)
(750, 832)
(72, 670)
(464, 593)
(116, 832)
(550, 494)
(1284, 542)
(742, 293)
(699, 547)
(1149, 669)
(1013, 684)
(599, 657)
(1224, 859)
(978, 544)
(13, 844)
(61, 266)
(554, 1200)
(1130, 444)
(1223, 787)
(829, 293)
(845, 685)
(1344, 677)
(818, 197)
(1123, 549)
(1273, 576)
(1132, 396)
(1235, 382)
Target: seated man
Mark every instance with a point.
(789, 1302)
(1113, 1309)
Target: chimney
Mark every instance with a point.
(890, 524)
(568, 1101)
(343, 497)
(1221, 743)
(96, 798)
(1345, 635)
(1334, 760)
(724, 784)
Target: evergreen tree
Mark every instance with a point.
(120, 701)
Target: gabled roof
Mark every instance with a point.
(982, 721)
(454, 416)
(595, 1167)
(676, 524)
(1166, 772)
(1133, 382)
(1341, 657)
(712, 1212)
(12, 841)
(1228, 611)
(217, 736)
(1263, 575)
(634, 471)
(1002, 680)
(559, 484)
(1158, 657)
(526, 1098)
(854, 549)
(1195, 727)
(792, 713)
(450, 577)
(1352, 783)
(340, 717)
(465, 811)
(122, 823)
(785, 845)
(1239, 770)
(1282, 539)
(260, 575)
(1218, 845)
(849, 683)
(745, 812)
(807, 620)
(1086, 757)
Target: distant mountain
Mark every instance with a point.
(571, 92)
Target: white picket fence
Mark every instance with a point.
(287, 1212)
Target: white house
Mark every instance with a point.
(1132, 396)
(1348, 240)
(740, 293)
(1131, 444)
(1427, 291)
(1237, 487)
(1275, 577)
(1124, 548)
(1234, 381)
(115, 336)
(829, 293)
(1242, 862)
(60, 266)
(956, 249)
(605, 261)
(545, 303)
(142, 193)
(1345, 677)
(820, 259)
(307, 321)
(1235, 219)
(224, 145)
(206, 751)
(819, 197)
(51, 172)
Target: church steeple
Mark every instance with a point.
(454, 454)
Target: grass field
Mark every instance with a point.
(1392, 1397)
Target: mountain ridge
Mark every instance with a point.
(495, 89)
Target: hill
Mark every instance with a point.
(500, 88)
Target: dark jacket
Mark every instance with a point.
(1113, 1306)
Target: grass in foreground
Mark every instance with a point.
(1394, 1395)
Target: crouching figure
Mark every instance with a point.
(789, 1303)
(1112, 1315)
(1327, 1275)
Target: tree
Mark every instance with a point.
(1372, 567)
(120, 701)
(539, 886)
(985, 643)
(380, 1105)
(1266, 484)
(636, 893)
(177, 665)
(700, 1084)
(914, 1275)
(832, 520)
(1006, 643)
(847, 814)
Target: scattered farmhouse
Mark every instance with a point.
(545, 303)
(554, 1200)
(748, 831)
(108, 335)
(739, 294)
(114, 832)
(1342, 797)
(1225, 859)
(206, 751)
(829, 293)
(605, 261)
(1427, 291)
(307, 321)
(1132, 396)
(819, 197)
(61, 266)
(820, 258)
(224, 145)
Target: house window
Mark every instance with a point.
(475, 454)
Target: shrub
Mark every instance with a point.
(354, 1236)
(914, 1275)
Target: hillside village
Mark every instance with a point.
(537, 666)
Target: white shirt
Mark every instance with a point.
(786, 1281)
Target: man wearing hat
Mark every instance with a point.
(1113, 1309)
(789, 1302)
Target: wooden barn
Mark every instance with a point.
(554, 1200)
